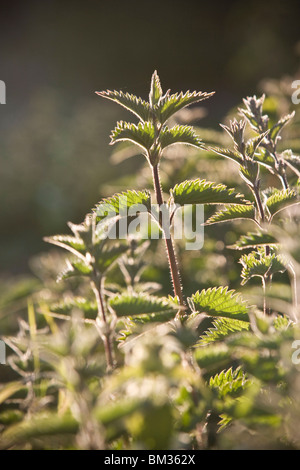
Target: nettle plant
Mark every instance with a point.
(153, 135)
(264, 210)
(178, 371)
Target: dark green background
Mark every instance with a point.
(54, 131)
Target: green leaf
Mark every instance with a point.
(120, 203)
(66, 307)
(280, 199)
(127, 304)
(249, 116)
(205, 192)
(83, 240)
(281, 323)
(170, 104)
(86, 230)
(276, 129)
(228, 153)
(236, 130)
(77, 267)
(159, 317)
(155, 90)
(233, 212)
(141, 134)
(293, 161)
(222, 328)
(264, 158)
(259, 264)
(253, 240)
(253, 144)
(179, 135)
(106, 255)
(69, 243)
(250, 172)
(253, 113)
(213, 357)
(229, 382)
(136, 105)
(221, 302)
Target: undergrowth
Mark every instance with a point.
(119, 355)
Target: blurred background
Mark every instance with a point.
(54, 153)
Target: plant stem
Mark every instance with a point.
(294, 284)
(97, 286)
(280, 169)
(259, 204)
(267, 280)
(175, 274)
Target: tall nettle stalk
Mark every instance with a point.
(153, 136)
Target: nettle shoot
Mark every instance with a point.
(153, 135)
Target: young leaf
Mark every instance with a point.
(233, 212)
(221, 302)
(126, 305)
(179, 135)
(159, 317)
(120, 203)
(66, 307)
(205, 192)
(253, 113)
(281, 199)
(259, 264)
(77, 267)
(292, 161)
(69, 243)
(250, 172)
(136, 105)
(264, 158)
(228, 153)
(106, 255)
(276, 129)
(155, 90)
(213, 357)
(222, 328)
(86, 230)
(141, 134)
(236, 131)
(253, 240)
(229, 382)
(170, 104)
(253, 144)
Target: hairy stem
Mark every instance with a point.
(97, 286)
(295, 286)
(175, 274)
(284, 180)
(292, 168)
(267, 280)
(259, 203)
(280, 170)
